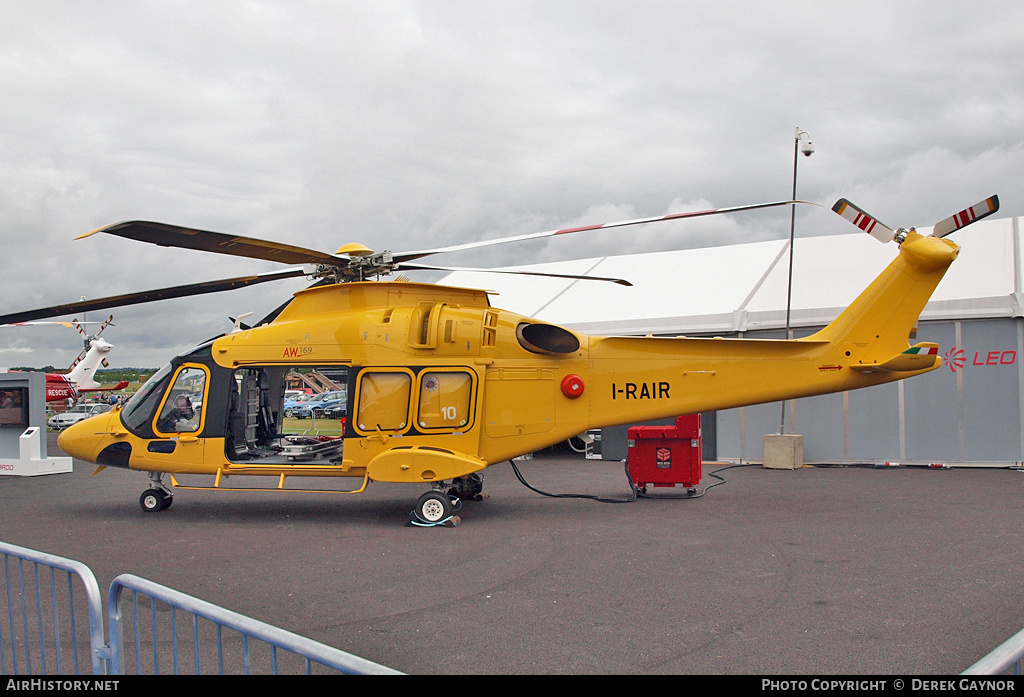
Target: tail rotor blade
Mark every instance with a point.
(863, 220)
(966, 217)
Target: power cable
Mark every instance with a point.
(636, 493)
(632, 486)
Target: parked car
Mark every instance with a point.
(291, 402)
(324, 404)
(76, 414)
(337, 410)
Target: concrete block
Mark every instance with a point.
(783, 451)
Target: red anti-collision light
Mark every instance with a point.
(572, 386)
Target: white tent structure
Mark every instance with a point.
(968, 412)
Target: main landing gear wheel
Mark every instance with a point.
(153, 500)
(434, 508)
(468, 488)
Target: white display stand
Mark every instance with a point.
(32, 463)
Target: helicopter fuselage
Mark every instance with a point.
(440, 384)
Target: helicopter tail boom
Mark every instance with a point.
(866, 345)
(915, 359)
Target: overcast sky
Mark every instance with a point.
(405, 124)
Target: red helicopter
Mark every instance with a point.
(81, 375)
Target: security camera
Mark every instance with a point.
(807, 147)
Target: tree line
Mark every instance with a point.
(104, 375)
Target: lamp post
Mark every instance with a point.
(801, 144)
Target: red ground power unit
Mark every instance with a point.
(665, 456)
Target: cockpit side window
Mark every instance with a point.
(181, 411)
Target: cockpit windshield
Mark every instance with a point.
(141, 407)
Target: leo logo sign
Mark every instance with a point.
(956, 358)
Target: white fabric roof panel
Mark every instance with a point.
(743, 287)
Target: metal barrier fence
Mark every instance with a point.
(1005, 658)
(167, 631)
(48, 623)
(44, 620)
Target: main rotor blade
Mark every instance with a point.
(150, 296)
(409, 256)
(70, 325)
(966, 217)
(428, 267)
(866, 222)
(167, 235)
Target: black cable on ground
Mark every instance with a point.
(632, 485)
(703, 491)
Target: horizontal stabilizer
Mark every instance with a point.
(918, 357)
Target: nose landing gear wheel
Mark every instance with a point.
(153, 500)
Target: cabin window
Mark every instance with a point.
(383, 401)
(445, 400)
(315, 398)
(182, 409)
(286, 414)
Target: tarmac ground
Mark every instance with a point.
(818, 571)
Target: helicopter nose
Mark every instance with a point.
(81, 440)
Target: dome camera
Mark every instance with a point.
(807, 148)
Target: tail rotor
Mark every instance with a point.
(883, 233)
(87, 338)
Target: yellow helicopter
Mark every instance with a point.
(438, 384)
